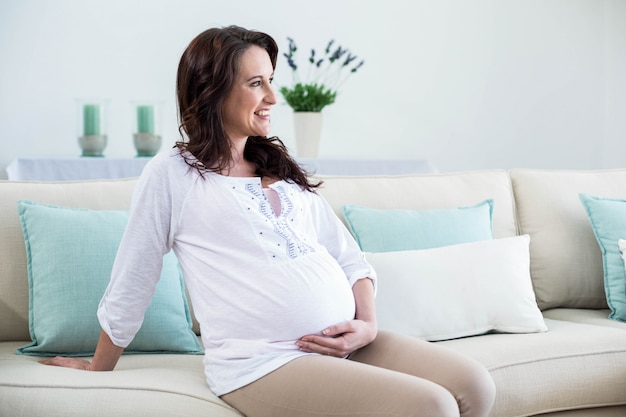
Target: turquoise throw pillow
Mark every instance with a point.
(70, 254)
(387, 230)
(608, 221)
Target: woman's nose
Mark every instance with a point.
(270, 97)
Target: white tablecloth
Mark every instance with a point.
(89, 168)
(73, 169)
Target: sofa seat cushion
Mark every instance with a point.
(585, 316)
(617, 411)
(140, 386)
(535, 373)
(548, 372)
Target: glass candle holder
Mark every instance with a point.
(147, 127)
(92, 124)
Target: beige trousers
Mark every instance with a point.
(395, 375)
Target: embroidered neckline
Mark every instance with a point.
(295, 246)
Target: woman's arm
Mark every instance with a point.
(363, 291)
(137, 268)
(105, 357)
(335, 237)
(342, 339)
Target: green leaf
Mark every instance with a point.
(308, 97)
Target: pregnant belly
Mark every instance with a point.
(288, 301)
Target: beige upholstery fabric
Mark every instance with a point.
(571, 366)
(535, 374)
(618, 411)
(140, 386)
(114, 194)
(574, 370)
(566, 263)
(427, 191)
(585, 316)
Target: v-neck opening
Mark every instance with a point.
(274, 200)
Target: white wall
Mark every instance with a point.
(467, 84)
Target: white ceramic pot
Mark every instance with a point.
(308, 131)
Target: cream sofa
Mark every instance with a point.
(576, 368)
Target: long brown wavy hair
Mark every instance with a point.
(206, 74)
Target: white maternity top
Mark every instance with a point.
(259, 278)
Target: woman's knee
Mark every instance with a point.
(416, 397)
(440, 403)
(477, 393)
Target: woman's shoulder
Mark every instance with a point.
(170, 163)
(167, 158)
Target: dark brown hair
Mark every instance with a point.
(206, 74)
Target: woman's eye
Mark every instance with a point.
(256, 84)
(271, 80)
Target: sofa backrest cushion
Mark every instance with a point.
(427, 191)
(566, 261)
(109, 195)
(418, 191)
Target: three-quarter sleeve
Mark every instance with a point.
(336, 238)
(139, 260)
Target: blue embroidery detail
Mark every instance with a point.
(295, 246)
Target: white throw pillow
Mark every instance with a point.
(458, 291)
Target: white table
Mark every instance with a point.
(89, 168)
(74, 169)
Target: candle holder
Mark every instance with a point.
(92, 124)
(146, 135)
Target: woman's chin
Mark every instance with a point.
(262, 132)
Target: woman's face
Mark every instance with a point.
(247, 106)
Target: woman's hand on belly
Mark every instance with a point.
(341, 339)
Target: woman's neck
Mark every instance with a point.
(241, 168)
(238, 166)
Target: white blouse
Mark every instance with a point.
(261, 271)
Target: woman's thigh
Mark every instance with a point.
(315, 386)
(466, 379)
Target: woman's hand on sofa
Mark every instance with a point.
(62, 361)
(105, 358)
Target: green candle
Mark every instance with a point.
(145, 119)
(91, 119)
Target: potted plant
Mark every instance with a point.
(325, 73)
